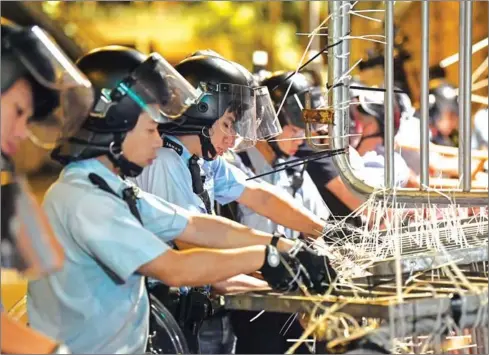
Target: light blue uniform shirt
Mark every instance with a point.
(307, 195)
(98, 303)
(169, 178)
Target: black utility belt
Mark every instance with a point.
(199, 304)
(193, 306)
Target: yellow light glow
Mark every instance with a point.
(51, 7)
(221, 7)
(243, 16)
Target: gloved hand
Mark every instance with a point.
(320, 273)
(276, 270)
(333, 234)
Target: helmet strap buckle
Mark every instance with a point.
(103, 104)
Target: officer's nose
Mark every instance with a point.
(158, 141)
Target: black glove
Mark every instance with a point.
(275, 270)
(320, 272)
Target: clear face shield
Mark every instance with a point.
(156, 87)
(27, 238)
(63, 95)
(237, 116)
(267, 121)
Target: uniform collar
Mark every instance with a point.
(93, 165)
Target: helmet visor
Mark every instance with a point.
(267, 121)
(62, 94)
(155, 87)
(237, 114)
(180, 93)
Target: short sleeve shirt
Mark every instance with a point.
(98, 303)
(169, 177)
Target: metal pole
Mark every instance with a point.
(461, 81)
(341, 125)
(335, 71)
(389, 94)
(425, 77)
(465, 157)
(345, 45)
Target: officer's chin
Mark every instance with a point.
(149, 161)
(288, 151)
(220, 151)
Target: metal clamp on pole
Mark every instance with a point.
(312, 117)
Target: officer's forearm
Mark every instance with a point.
(197, 267)
(239, 283)
(20, 339)
(282, 210)
(222, 233)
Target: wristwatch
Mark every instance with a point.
(327, 228)
(273, 257)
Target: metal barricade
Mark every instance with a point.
(339, 96)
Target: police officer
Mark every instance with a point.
(37, 78)
(190, 172)
(443, 102)
(262, 158)
(264, 334)
(368, 119)
(366, 134)
(114, 234)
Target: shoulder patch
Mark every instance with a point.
(167, 143)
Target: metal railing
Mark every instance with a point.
(339, 96)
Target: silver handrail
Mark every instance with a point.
(425, 112)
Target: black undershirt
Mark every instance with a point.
(322, 172)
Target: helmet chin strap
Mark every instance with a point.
(373, 135)
(116, 156)
(209, 153)
(7, 164)
(276, 149)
